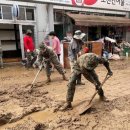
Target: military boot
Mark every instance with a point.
(101, 94)
(64, 77)
(104, 99)
(67, 106)
(48, 79)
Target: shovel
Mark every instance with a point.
(86, 107)
(32, 84)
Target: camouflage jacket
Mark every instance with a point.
(89, 61)
(46, 56)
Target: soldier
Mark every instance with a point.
(48, 55)
(85, 65)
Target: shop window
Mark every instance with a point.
(7, 12)
(30, 14)
(58, 16)
(21, 14)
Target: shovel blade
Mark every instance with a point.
(82, 109)
(31, 89)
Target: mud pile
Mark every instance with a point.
(22, 102)
(114, 115)
(16, 102)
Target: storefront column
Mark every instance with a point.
(50, 17)
(21, 41)
(36, 37)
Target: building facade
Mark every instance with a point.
(42, 16)
(12, 29)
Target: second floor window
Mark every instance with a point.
(29, 14)
(21, 14)
(25, 13)
(7, 12)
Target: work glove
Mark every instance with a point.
(40, 67)
(35, 65)
(110, 73)
(28, 50)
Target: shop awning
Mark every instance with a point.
(94, 20)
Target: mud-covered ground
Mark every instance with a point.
(22, 110)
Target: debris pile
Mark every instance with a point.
(22, 101)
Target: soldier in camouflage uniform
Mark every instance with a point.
(85, 65)
(47, 55)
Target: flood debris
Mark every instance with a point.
(25, 103)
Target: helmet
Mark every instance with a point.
(42, 46)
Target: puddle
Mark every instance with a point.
(41, 116)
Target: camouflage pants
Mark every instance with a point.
(72, 66)
(30, 58)
(54, 60)
(90, 76)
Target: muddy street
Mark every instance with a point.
(21, 110)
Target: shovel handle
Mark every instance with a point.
(36, 77)
(106, 78)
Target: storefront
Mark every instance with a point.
(101, 26)
(99, 19)
(107, 18)
(106, 8)
(15, 19)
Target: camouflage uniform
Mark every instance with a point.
(85, 65)
(31, 57)
(49, 56)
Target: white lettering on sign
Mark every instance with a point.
(103, 4)
(114, 2)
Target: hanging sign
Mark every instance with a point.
(103, 4)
